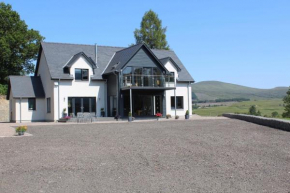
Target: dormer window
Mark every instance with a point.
(81, 74)
(171, 77)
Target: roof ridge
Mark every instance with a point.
(82, 44)
(129, 47)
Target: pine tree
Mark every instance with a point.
(286, 100)
(151, 32)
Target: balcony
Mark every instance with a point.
(147, 81)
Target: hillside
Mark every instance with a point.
(212, 90)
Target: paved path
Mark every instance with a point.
(8, 129)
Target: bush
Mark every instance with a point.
(253, 111)
(176, 117)
(168, 116)
(3, 89)
(187, 112)
(275, 114)
(130, 114)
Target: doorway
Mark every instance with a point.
(81, 105)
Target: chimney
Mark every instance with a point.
(96, 52)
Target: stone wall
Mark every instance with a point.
(270, 122)
(4, 109)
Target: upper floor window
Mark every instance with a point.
(81, 74)
(31, 104)
(171, 77)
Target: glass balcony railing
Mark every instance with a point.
(147, 81)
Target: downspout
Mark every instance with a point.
(188, 97)
(58, 99)
(105, 97)
(20, 110)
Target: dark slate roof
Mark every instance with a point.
(183, 75)
(58, 55)
(165, 60)
(77, 56)
(26, 87)
(122, 57)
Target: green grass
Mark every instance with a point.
(265, 106)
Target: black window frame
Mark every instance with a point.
(179, 100)
(82, 74)
(33, 101)
(48, 105)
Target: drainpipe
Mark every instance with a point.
(188, 97)
(105, 97)
(131, 101)
(175, 100)
(20, 109)
(58, 99)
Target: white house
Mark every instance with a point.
(88, 78)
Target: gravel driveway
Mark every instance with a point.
(169, 156)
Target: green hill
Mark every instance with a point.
(212, 90)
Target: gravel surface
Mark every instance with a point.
(170, 156)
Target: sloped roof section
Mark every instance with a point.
(165, 60)
(122, 57)
(77, 56)
(183, 75)
(26, 87)
(58, 54)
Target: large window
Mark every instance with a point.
(48, 105)
(179, 102)
(81, 74)
(32, 104)
(171, 78)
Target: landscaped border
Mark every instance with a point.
(274, 123)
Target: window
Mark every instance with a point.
(179, 102)
(81, 74)
(48, 107)
(31, 104)
(171, 77)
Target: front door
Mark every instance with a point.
(81, 105)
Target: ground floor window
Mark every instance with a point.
(32, 104)
(81, 105)
(179, 102)
(48, 105)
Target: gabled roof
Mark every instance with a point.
(165, 60)
(58, 54)
(77, 56)
(25, 87)
(122, 57)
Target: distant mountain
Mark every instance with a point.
(212, 90)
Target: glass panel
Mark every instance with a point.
(78, 74)
(127, 76)
(86, 105)
(179, 101)
(157, 104)
(78, 106)
(172, 102)
(69, 105)
(147, 79)
(137, 81)
(171, 79)
(93, 105)
(48, 105)
(85, 74)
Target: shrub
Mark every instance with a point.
(176, 117)
(130, 114)
(3, 89)
(158, 115)
(21, 129)
(168, 116)
(253, 110)
(187, 112)
(275, 114)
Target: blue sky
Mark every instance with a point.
(243, 42)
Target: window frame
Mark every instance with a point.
(82, 77)
(34, 104)
(173, 102)
(48, 105)
(172, 79)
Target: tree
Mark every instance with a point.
(18, 45)
(253, 110)
(151, 32)
(286, 100)
(275, 114)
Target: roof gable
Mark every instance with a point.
(123, 57)
(167, 59)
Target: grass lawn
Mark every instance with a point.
(265, 106)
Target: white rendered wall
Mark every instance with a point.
(29, 115)
(182, 89)
(77, 88)
(48, 86)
